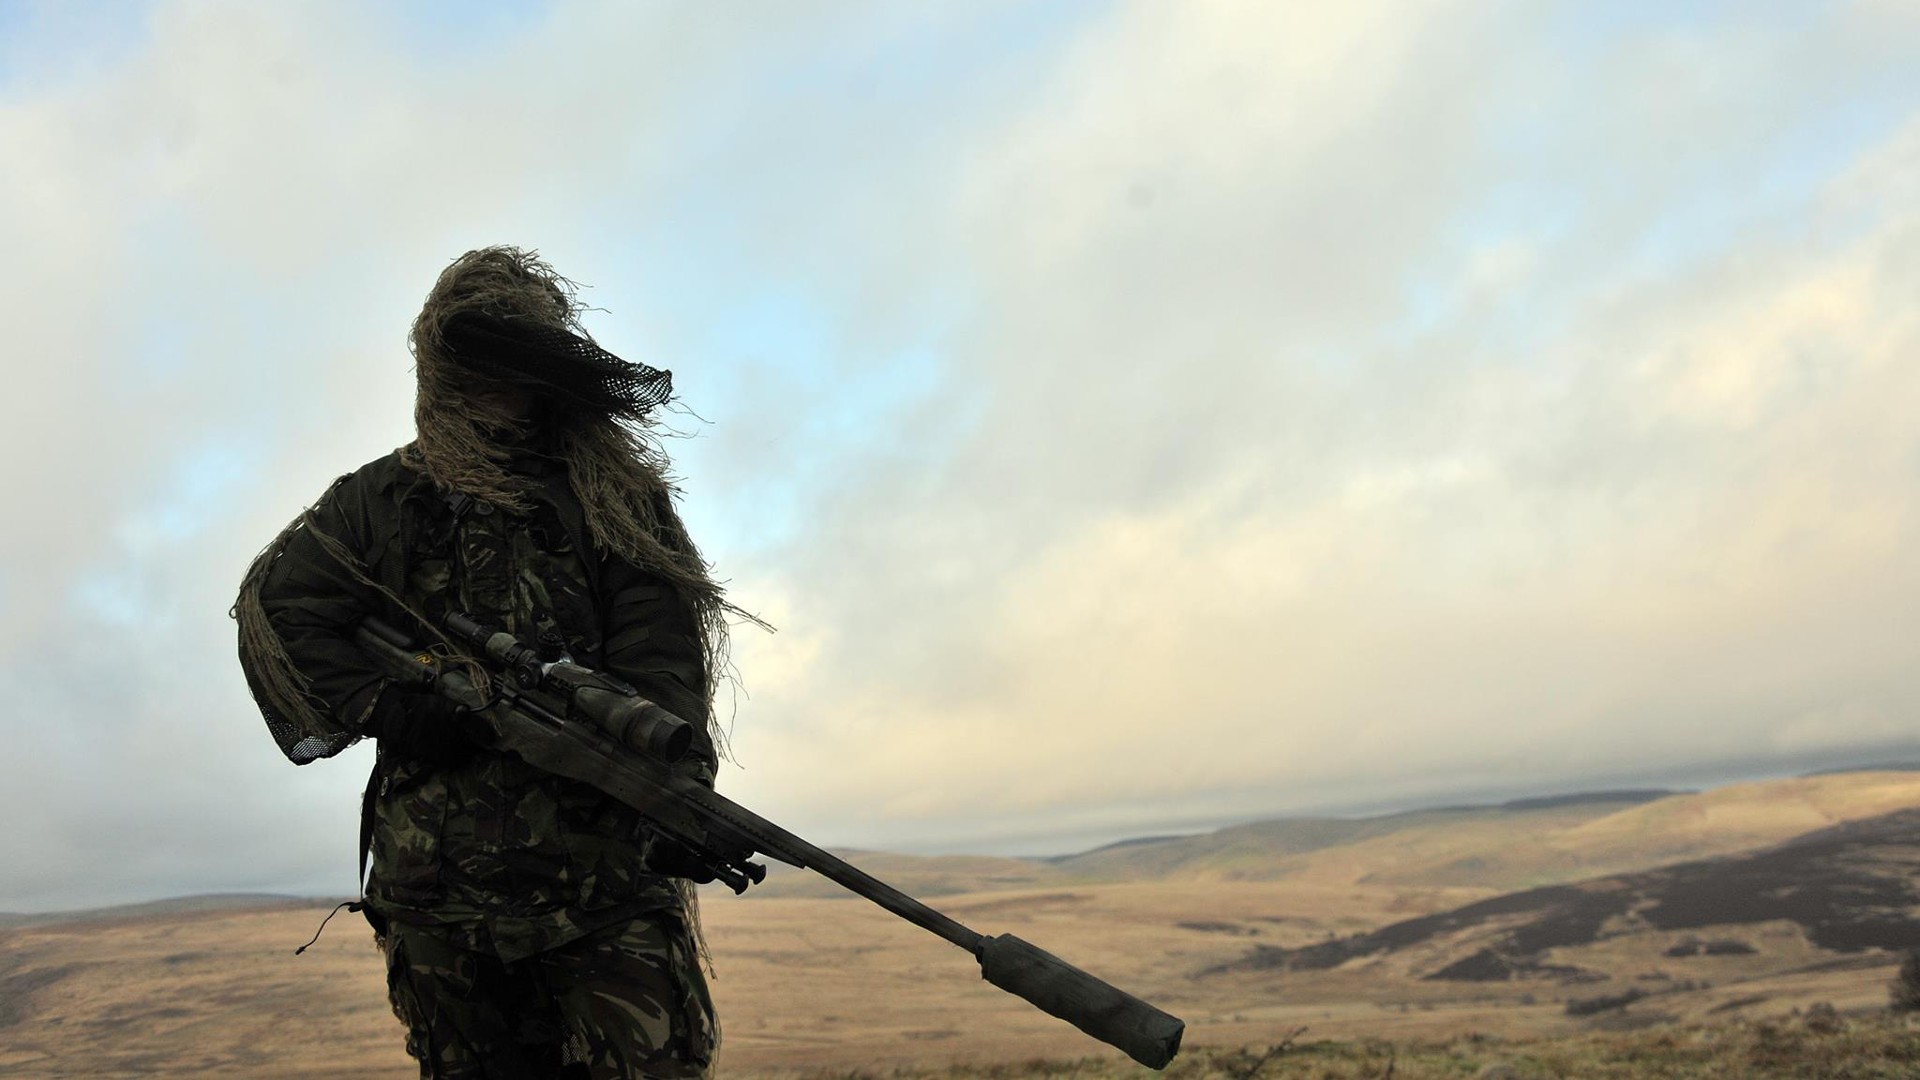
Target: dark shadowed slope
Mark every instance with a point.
(1851, 887)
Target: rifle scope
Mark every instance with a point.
(618, 709)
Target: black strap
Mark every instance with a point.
(375, 780)
(366, 820)
(351, 905)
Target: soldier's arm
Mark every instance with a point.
(313, 602)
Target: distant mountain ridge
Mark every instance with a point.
(1890, 766)
(177, 905)
(1629, 796)
(1269, 849)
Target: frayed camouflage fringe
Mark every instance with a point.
(264, 656)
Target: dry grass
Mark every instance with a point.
(1859, 1048)
(207, 994)
(823, 987)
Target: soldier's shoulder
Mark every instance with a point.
(366, 502)
(384, 475)
(371, 495)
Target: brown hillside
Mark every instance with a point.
(1499, 848)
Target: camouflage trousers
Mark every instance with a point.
(625, 1001)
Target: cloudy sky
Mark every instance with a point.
(1134, 416)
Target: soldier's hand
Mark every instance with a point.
(412, 722)
(670, 858)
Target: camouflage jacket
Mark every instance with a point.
(494, 849)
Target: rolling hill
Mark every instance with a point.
(1500, 848)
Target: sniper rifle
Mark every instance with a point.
(589, 726)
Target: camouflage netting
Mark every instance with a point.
(556, 364)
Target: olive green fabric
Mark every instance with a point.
(627, 1001)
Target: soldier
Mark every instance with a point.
(532, 926)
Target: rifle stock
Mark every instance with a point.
(552, 731)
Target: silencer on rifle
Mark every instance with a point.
(1100, 1009)
(639, 724)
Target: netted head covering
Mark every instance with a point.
(555, 364)
(500, 316)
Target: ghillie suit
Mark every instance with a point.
(559, 517)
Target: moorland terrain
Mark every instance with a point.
(1595, 925)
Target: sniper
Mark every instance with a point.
(531, 924)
